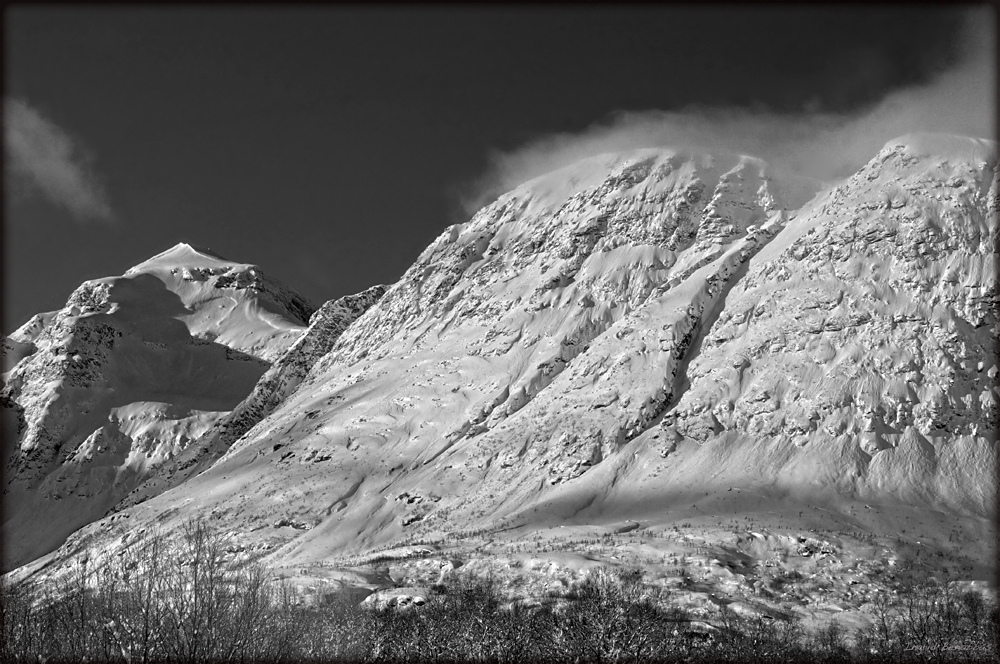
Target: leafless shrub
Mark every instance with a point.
(928, 622)
(159, 599)
(153, 600)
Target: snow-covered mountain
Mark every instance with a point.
(113, 386)
(629, 334)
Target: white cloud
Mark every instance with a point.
(39, 156)
(826, 146)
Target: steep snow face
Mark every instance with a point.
(859, 350)
(583, 246)
(122, 378)
(854, 356)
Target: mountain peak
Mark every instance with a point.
(183, 255)
(946, 146)
(662, 169)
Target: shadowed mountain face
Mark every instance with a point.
(616, 337)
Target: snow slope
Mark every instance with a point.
(277, 384)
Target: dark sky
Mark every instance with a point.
(330, 145)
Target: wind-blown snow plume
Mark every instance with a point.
(40, 155)
(826, 146)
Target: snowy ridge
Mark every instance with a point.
(277, 384)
